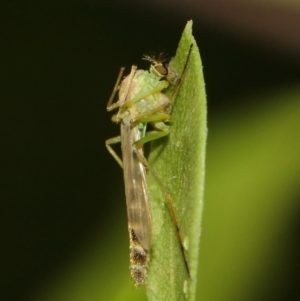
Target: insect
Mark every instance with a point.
(141, 101)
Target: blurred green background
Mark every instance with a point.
(62, 207)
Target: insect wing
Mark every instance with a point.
(136, 188)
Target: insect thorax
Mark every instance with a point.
(143, 82)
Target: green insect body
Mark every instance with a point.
(142, 101)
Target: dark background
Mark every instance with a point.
(58, 64)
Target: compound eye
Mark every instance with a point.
(162, 70)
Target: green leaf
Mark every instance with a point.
(179, 162)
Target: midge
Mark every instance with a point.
(141, 101)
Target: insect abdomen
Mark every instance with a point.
(139, 258)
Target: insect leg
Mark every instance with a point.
(170, 205)
(182, 74)
(110, 141)
(161, 86)
(110, 105)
